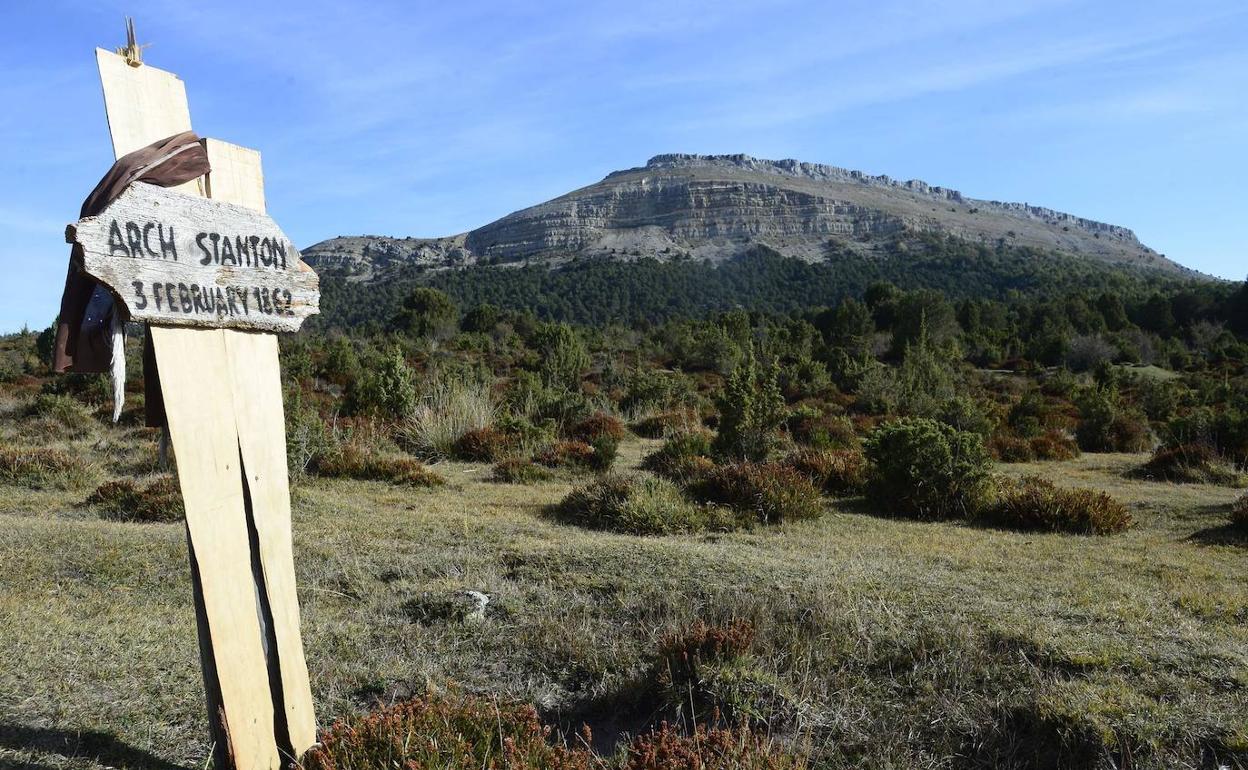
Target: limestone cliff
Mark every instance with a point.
(716, 207)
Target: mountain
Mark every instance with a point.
(690, 234)
(719, 207)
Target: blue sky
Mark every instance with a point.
(427, 119)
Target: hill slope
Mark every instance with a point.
(719, 207)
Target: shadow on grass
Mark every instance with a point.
(1227, 534)
(102, 747)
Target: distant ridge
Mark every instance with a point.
(717, 207)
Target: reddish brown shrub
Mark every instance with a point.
(596, 426)
(683, 653)
(1054, 445)
(665, 424)
(351, 461)
(774, 493)
(516, 470)
(445, 733)
(567, 454)
(737, 748)
(682, 457)
(836, 472)
(483, 445)
(1191, 464)
(1007, 448)
(159, 501)
(1035, 504)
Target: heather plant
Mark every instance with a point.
(518, 470)
(707, 674)
(40, 467)
(598, 425)
(638, 505)
(1035, 504)
(928, 470)
(56, 415)
(567, 453)
(1191, 464)
(445, 732)
(160, 500)
(836, 472)
(683, 455)
(769, 492)
(351, 460)
(483, 445)
(1054, 445)
(710, 748)
(751, 409)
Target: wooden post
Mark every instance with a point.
(223, 397)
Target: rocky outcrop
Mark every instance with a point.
(717, 206)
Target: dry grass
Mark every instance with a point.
(899, 643)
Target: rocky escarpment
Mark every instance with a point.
(719, 206)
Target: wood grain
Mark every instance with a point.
(183, 260)
(145, 104)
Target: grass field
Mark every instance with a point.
(886, 642)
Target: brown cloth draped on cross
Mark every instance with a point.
(83, 332)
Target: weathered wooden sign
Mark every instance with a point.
(185, 260)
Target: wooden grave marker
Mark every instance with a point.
(221, 383)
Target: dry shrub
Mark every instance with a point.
(684, 456)
(158, 501)
(596, 426)
(1011, 449)
(731, 748)
(483, 445)
(706, 673)
(1191, 464)
(823, 431)
(445, 732)
(447, 411)
(771, 492)
(352, 461)
(836, 472)
(59, 416)
(567, 454)
(1036, 504)
(1239, 513)
(1054, 445)
(517, 470)
(639, 505)
(665, 424)
(43, 466)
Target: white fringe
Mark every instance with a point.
(117, 370)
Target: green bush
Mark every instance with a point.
(1191, 464)
(926, 469)
(60, 416)
(444, 732)
(769, 492)
(387, 388)
(517, 470)
(1035, 504)
(1107, 425)
(40, 467)
(682, 456)
(158, 501)
(751, 409)
(822, 431)
(605, 449)
(638, 505)
(836, 472)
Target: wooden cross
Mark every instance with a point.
(223, 397)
